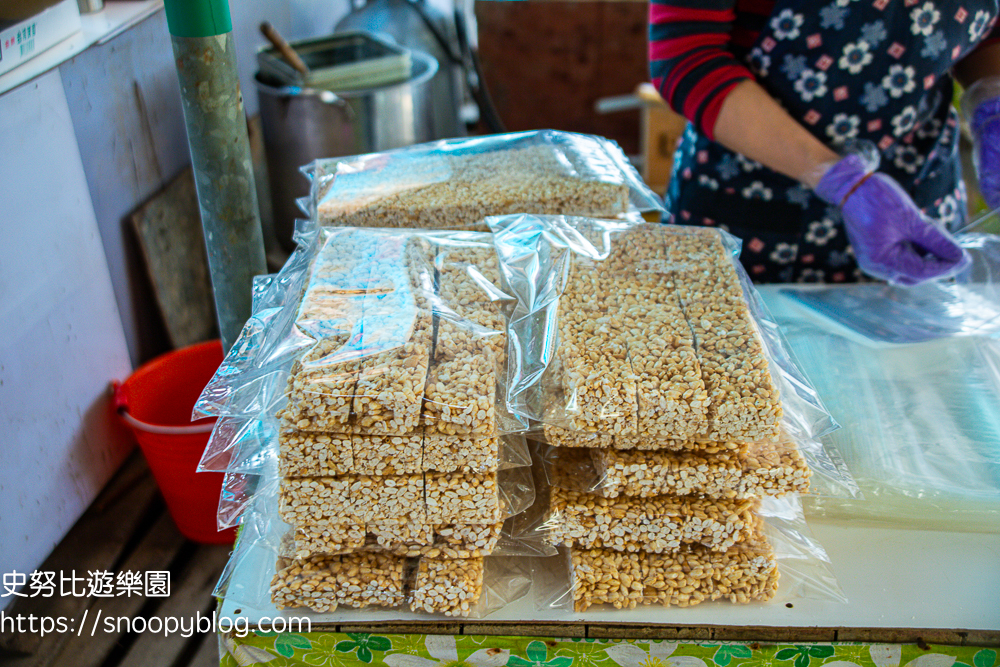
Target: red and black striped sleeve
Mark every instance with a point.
(689, 57)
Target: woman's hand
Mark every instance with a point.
(892, 239)
(979, 74)
(985, 126)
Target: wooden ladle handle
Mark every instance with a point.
(287, 52)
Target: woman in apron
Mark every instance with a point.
(822, 133)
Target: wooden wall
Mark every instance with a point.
(547, 62)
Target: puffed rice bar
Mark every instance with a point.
(768, 469)
(311, 454)
(594, 368)
(312, 501)
(461, 453)
(658, 524)
(447, 586)
(672, 397)
(462, 498)
(429, 498)
(561, 437)
(397, 337)
(322, 382)
(744, 401)
(744, 573)
(469, 314)
(324, 582)
(460, 396)
(469, 343)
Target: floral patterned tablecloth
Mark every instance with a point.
(333, 649)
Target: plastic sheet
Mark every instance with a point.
(455, 183)
(515, 489)
(778, 561)
(966, 306)
(921, 428)
(643, 330)
(240, 445)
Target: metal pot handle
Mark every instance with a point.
(333, 99)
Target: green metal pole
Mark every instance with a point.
(201, 33)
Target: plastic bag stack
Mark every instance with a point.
(390, 445)
(661, 410)
(397, 463)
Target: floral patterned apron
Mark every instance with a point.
(846, 70)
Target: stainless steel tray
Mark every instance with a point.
(343, 61)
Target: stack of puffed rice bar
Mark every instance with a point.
(388, 445)
(668, 425)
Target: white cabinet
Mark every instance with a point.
(61, 339)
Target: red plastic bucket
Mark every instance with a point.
(156, 402)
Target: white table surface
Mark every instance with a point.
(892, 578)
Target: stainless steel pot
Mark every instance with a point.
(418, 25)
(303, 124)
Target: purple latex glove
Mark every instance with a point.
(892, 239)
(985, 126)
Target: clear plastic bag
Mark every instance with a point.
(473, 588)
(435, 568)
(316, 503)
(658, 500)
(969, 305)
(719, 470)
(776, 562)
(603, 332)
(455, 183)
(611, 473)
(375, 333)
(921, 432)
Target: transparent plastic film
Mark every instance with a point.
(424, 498)
(968, 305)
(778, 561)
(920, 431)
(251, 380)
(645, 331)
(488, 497)
(769, 469)
(236, 497)
(655, 524)
(455, 183)
(239, 445)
